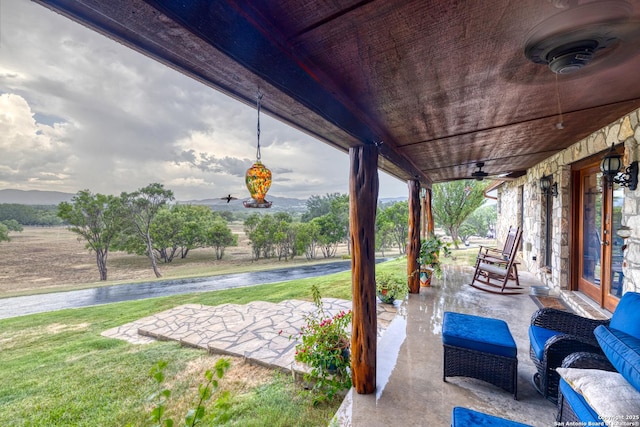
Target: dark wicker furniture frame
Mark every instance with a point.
(576, 336)
(498, 370)
(582, 360)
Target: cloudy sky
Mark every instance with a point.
(79, 111)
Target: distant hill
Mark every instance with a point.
(288, 204)
(34, 197)
(279, 204)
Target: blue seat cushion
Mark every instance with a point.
(579, 405)
(478, 333)
(623, 351)
(626, 317)
(463, 417)
(538, 337)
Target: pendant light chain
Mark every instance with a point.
(560, 124)
(260, 94)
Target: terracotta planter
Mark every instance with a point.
(425, 276)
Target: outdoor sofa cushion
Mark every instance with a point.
(623, 351)
(626, 317)
(538, 337)
(606, 393)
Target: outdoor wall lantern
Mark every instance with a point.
(547, 187)
(610, 166)
(258, 176)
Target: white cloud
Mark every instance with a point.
(81, 111)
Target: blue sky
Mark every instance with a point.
(78, 110)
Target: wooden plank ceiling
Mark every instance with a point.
(437, 85)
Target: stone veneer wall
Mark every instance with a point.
(626, 130)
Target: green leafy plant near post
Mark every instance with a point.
(324, 346)
(205, 391)
(391, 287)
(430, 251)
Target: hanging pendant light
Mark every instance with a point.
(258, 176)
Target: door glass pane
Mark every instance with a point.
(592, 226)
(616, 243)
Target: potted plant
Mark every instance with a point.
(391, 287)
(429, 258)
(323, 345)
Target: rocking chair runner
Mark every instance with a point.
(494, 267)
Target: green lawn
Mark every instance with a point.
(56, 369)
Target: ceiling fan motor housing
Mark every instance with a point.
(569, 40)
(572, 57)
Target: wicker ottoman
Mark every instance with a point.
(463, 417)
(481, 348)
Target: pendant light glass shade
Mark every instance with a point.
(258, 179)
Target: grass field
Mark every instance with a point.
(57, 370)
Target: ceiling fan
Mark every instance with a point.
(480, 174)
(595, 34)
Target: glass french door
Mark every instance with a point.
(599, 247)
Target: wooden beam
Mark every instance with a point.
(413, 247)
(363, 198)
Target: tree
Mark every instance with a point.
(394, 223)
(194, 231)
(331, 233)
(251, 225)
(165, 232)
(307, 238)
(142, 206)
(454, 201)
(98, 219)
(321, 205)
(479, 222)
(219, 236)
(4, 233)
(12, 225)
(284, 236)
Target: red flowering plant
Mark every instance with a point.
(323, 345)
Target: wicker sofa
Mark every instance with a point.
(605, 388)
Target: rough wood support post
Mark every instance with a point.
(413, 247)
(363, 199)
(423, 213)
(430, 224)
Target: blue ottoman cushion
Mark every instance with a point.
(463, 417)
(538, 337)
(478, 333)
(623, 351)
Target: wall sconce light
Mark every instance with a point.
(610, 166)
(547, 187)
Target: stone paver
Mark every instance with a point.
(258, 331)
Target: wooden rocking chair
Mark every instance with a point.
(495, 267)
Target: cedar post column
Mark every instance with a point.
(430, 224)
(423, 213)
(363, 199)
(413, 247)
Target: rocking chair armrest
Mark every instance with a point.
(586, 360)
(566, 322)
(493, 259)
(488, 249)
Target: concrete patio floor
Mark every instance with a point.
(410, 390)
